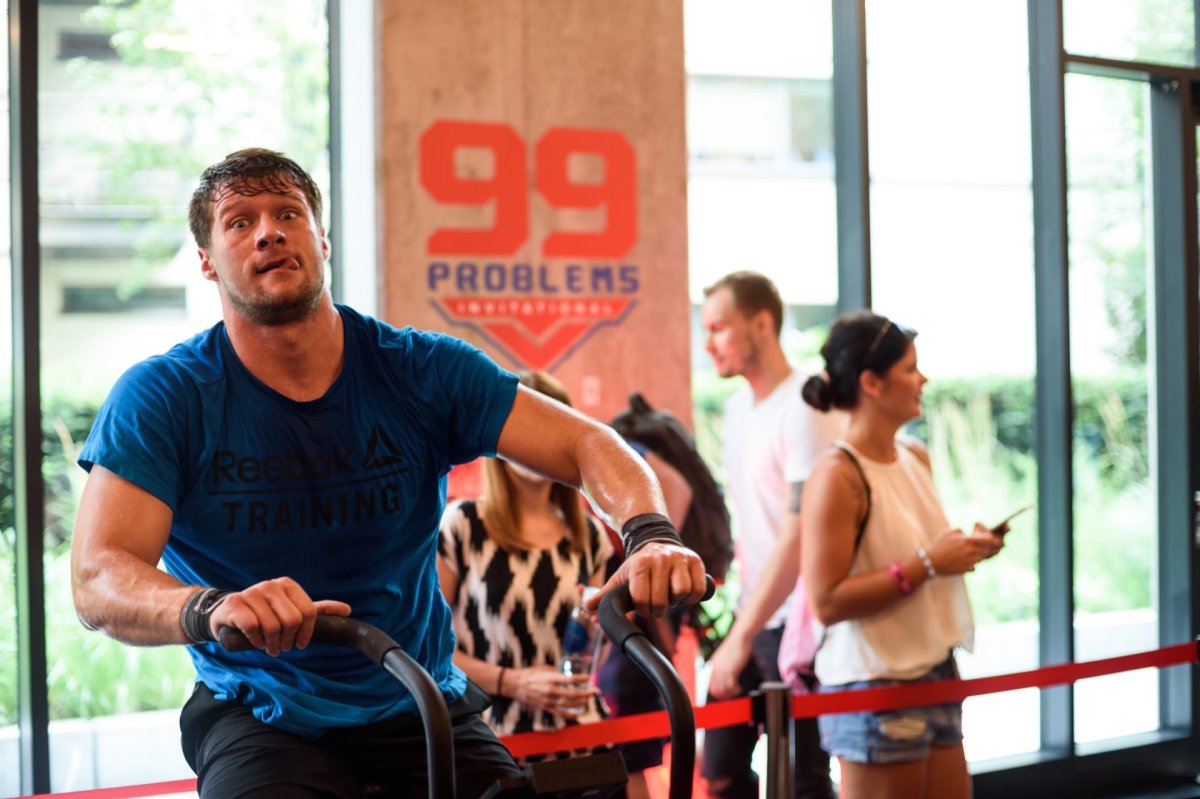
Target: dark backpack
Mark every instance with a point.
(706, 530)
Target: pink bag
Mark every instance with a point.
(802, 636)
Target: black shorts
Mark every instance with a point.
(234, 754)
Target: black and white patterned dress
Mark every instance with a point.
(511, 609)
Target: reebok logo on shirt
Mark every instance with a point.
(292, 491)
(229, 467)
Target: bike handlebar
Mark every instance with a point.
(623, 633)
(380, 648)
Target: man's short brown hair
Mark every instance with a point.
(248, 172)
(752, 292)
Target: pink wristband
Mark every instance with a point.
(900, 578)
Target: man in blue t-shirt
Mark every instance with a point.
(291, 462)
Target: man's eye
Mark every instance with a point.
(289, 215)
(238, 224)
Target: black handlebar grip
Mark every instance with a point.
(232, 639)
(618, 602)
(335, 630)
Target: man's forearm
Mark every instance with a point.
(775, 583)
(129, 600)
(618, 482)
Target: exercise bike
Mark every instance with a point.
(596, 776)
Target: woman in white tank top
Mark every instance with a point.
(883, 570)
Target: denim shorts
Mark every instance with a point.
(893, 736)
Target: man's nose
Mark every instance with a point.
(268, 234)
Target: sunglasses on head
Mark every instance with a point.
(887, 326)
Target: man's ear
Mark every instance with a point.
(763, 324)
(206, 267)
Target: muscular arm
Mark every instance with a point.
(572, 449)
(120, 533)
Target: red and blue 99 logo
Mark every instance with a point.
(537, 311)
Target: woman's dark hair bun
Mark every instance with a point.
(817, 393)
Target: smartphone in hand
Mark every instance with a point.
(1002, 527)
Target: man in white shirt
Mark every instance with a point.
(772, 440)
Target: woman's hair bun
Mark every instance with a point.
(817, 393)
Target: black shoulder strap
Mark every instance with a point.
(862, 526)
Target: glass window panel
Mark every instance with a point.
(1161, 31)
(126, 130)
(760, 147)
(10, 764)
(951, 217)
(1114, 504)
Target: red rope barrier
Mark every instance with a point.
(933, 693)
(640, 727)
(737, 711)
(646, 726)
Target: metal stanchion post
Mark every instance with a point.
(781, 770)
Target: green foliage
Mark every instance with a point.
(981, 479)
(93, 675)
(65, 423)
(1164, 31)
(8, 641)
(204, 89)
(89, 674)
(981, 446)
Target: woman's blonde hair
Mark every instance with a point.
(498, 511)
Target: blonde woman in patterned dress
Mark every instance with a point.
(511, 565)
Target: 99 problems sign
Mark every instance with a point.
(537, 312)
(533, 188)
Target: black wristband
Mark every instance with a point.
(647, 527)
(197, 614)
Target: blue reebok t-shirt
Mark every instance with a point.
(343, 494)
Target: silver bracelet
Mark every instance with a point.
(924, 556)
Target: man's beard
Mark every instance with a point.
(274, 311)
(746, 362)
